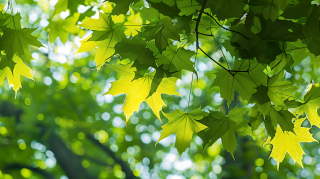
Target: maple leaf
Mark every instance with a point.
(278, 91)
(275, 91)
(243, 82)
(105, 36)
(271, 9)
(161, 31)
(166, 9)
(227, 8)
(308, 10)
(314, 44)
(288, 142)
(17, 40)
(311, 104)
(184, 125)
(188, 7)
(122, 6)
(138, 90)
(13, 76)
(61, 28)
(283, 118)
(135, 48)
(133, 23)
(224, 127)
(176, 58)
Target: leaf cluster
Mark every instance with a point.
(153, 43)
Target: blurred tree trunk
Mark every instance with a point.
(70, 163)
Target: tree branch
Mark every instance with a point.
(224, 27)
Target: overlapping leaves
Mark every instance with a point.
(263, 39)
(15, 52)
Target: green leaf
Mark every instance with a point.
(135, 48)
(167, 2)
(314, 44)
(249, 20)
(255, 122)
(315, 61)
(158, 77)
(283, 118)
(301, 9)
(151, 14)
(312, 24)
(229, 142)
(162, 31)
(236, 123)
(171, 11)
(5, 62)
(219, 124)
(61, 28)
(188, 7)
(176, 58)
(280, 30)
(105, 36)
(18, 41)
(270, 125)
(244, 82)
(122, 7)
(261, 95)
(270, 8)
(224, 9)
(311, 104)
(256, 28)
(184, 125)
(271, 11)
(278, 91)
(299, 51)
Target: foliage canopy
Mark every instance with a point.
(257, 49)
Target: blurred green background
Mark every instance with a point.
(59, 125)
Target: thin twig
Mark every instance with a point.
(226, 28)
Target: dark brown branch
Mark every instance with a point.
(205, 34)
(197, 36)
(216, 61)
(198, 22)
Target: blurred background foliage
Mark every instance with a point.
(60, 126)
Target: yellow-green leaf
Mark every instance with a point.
(184, 125)
(138, 90)
(312, 103)
(14, 77)
(288, 142)
(105, 36)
